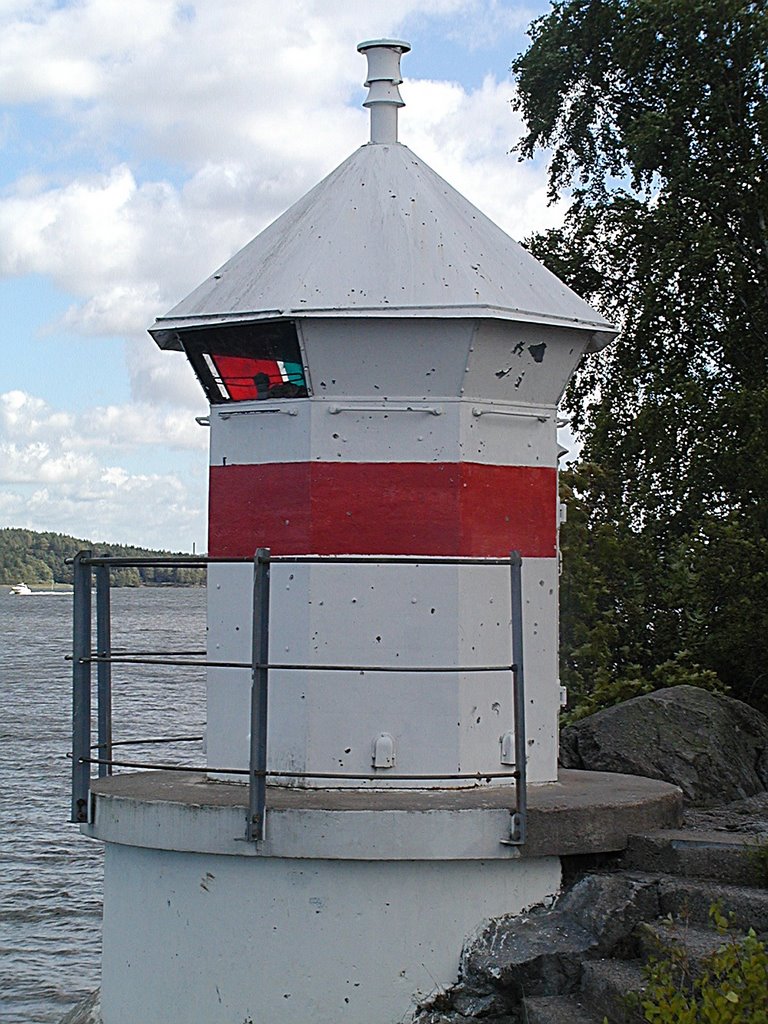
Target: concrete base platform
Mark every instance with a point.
(583, 812)
(355, 906)
(201, 937)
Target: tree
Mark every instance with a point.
(42, 558)
(656, 117)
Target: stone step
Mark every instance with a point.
(691, 900)
(557, 1010)
(656, 938)
(608, 986)
(728, 857)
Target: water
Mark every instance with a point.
(50, 875)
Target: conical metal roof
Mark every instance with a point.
(382, 235)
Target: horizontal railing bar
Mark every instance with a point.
(432, 410)
(388, 560)
(172, 562)
(116, 653)
(362, 669)
(97, 658)
(467, 776)
(200, 561)
(152, 739)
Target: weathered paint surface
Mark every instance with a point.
(447, 825)
(434, 352)
(437, 357)
(199, 937)
(383, 615)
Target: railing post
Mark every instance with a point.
(81, 686)
(104, 668)
(257, 766)
(519, 818)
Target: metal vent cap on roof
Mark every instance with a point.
(382, 81)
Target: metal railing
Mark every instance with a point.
(90, 570)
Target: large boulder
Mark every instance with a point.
(713, 747)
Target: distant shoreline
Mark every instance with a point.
(29, 556)
(66, 588)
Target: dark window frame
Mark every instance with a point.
(275, 343)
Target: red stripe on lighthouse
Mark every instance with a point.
(412, 508)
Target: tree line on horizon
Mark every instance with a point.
(30, 556)
(655, 121)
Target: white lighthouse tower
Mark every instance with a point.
(383, 365)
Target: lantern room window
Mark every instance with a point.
(247, 362)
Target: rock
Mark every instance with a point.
(742, 816)
(541, 954)
(610, 907)
(713, 747)
(532, 955)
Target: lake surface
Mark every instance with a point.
(50, 875)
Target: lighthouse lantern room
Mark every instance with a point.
(383, 366)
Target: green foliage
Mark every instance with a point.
(632, 621)
(654, 112)
(731, 987)
(32, 557)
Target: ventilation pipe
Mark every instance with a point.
(382, 83)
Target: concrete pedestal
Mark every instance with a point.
(354, 908)
(199, 937)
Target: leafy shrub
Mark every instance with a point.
(731, 987)
(680, 670)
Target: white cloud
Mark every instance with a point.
(53, 51)
(28, 417)
(481, 22)
(116, 310)
(127, 426)
(71, 470)
(130, 250)
(152, 510)
(65, 231)
(162, 377)
(30, 429)
(102, 237)
(466, 137)
(177, 69)
(38, 462)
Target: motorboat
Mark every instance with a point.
(20, 590)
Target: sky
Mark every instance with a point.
(142, 145)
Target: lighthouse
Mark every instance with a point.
(383, 366)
